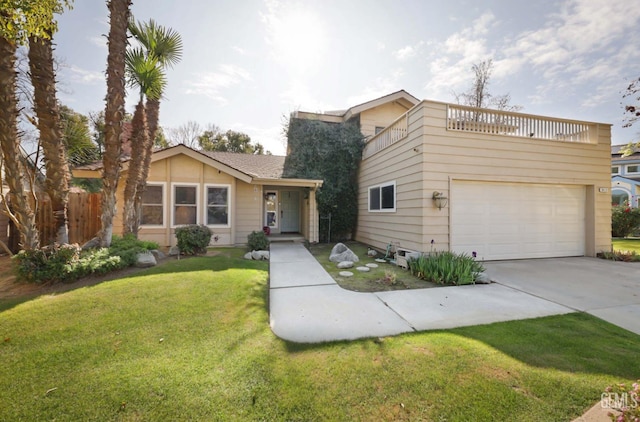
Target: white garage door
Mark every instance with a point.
(517, 220)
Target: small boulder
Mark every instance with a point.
(248, 255)
(372, 252)
(363, 269)
(345, 274)
(145, 260)
(341, 252)
(158, 254)
(260, 255)
(345, 264)
(483, 278)
(174, 251)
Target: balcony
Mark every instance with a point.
(495, 122)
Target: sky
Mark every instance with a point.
(247, 64)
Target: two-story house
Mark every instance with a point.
(625, 176)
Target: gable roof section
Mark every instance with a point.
(401, 97)
(246, 167)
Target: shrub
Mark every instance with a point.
(52, 263)
(67, 263)
(626, 256)
(446, 268)
(193, 239)
(128, 247)
(257, 241)
(624, 220)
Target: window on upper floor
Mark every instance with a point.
(633, 168)
(615, 170)
(382, 198)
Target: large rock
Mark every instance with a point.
(158, 254)
(145, 259)
(260, 255)
(248, 255)
(345, 264)
(341, 252)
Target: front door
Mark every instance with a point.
(290, 211)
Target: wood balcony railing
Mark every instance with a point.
(495, 122)
(387, 137)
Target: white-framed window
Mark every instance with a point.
(633, 168)
(152, 205)
(184, 202)
(218, 200)
(382, 197)
(615, 170)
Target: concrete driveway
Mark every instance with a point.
(606, 289)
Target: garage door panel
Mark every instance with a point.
(517, 220)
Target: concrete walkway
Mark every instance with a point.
(307, 305)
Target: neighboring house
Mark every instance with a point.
(233, 194)
(625, 177)
(503, 185)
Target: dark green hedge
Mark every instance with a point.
(331, 152)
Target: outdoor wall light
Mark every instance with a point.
(439, 200)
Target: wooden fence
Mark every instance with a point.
(83, 215)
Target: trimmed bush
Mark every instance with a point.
(128, 247)
(193, 239)
(624, 220)
(446, 268)
(257, 241)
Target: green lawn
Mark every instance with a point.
(626, 245)
(190, 340)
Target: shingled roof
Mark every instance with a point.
(258, 166)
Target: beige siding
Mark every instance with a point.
(248, 210)
(381, 116)
(443, 156)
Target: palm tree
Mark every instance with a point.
(119, 11)
(161, 48)
(51, 132)
(19, 19)
(145, 73)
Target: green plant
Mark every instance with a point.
(193, 239)
(446, 268)
(624, 220)
(128, 247)
(331, 152)
(49, 264)
(257, 241)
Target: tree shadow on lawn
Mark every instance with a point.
(573, 343)
(576, 342)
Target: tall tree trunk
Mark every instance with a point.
(14, 171)
(139, 141)
(153, 114)
(51, 134)
(114, 113)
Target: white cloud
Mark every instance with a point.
(271, 138)
(408, 51)
(211, 84)
(99, 41)
(84, 76)
(456, 55)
